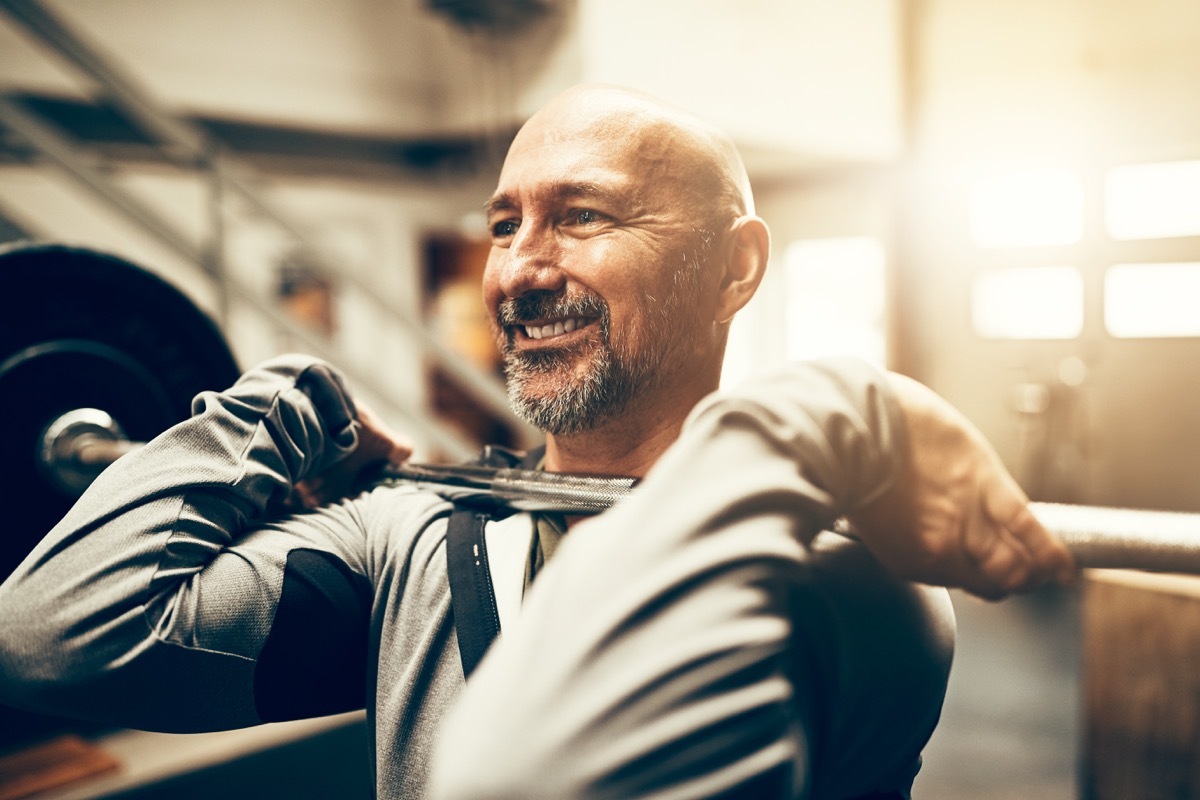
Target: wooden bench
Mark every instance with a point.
(1141, 644)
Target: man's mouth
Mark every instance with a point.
(539, 320)
(549, 330)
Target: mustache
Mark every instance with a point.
(541, 305)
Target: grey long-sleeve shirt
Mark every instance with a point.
(702, 639)
(170, 599)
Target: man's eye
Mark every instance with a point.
(585, 216)
(505, 228)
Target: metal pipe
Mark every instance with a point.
(44, 25)
(81, 443)
(191, 143)
(51, 145)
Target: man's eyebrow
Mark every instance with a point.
(565, 190)
(498, 202)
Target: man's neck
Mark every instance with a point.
(630, 442)
(627, 445)
(597, 453)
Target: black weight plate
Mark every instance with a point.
(44, 381)
(85, 329)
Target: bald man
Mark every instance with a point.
(702, 639)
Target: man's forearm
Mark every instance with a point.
(139, 608)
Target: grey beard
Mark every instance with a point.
(609, 380)
(581, 402)
(587, 393)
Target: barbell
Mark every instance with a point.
(94, 352)
(1100, 538)
(98, 354)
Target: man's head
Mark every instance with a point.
(623, 243)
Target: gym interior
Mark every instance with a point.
(1000, 198)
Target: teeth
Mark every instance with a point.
(554, 328)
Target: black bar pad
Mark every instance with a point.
(314, 661)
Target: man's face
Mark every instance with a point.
(595, 280)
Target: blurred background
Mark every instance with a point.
(1000, 198)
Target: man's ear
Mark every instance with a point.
(745, 262)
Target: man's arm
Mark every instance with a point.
(651, 654)
(672, 647)
(164, 601)
(954, 516)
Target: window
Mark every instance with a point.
(1029, 208)
(1028, 303)
(835, 298)
(1152, 201)
(1152, 300)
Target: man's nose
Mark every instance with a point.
(531, 262)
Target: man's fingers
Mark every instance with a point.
(1003, 564)
(309, 493)
(378, 441)
(965, 521)
(1049, 552)
(1043, 555)
(401, 451)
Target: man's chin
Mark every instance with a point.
(535, 395)
(551, 365)
(559, 401)
(565, 390)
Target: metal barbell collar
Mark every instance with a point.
(78, 445)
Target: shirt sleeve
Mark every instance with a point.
(170, 599)
(651, 657)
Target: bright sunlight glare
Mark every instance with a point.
(836, 298)
(1152, 300)
(1029, 208)
(1028, 303)
(1152, 201)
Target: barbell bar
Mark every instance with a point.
(105, 355)
(1098, 537)
(83, 442)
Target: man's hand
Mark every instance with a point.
(376, 443)
(956, 517)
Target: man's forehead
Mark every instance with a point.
(608, 187)
(653, 147)
(563, 167)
